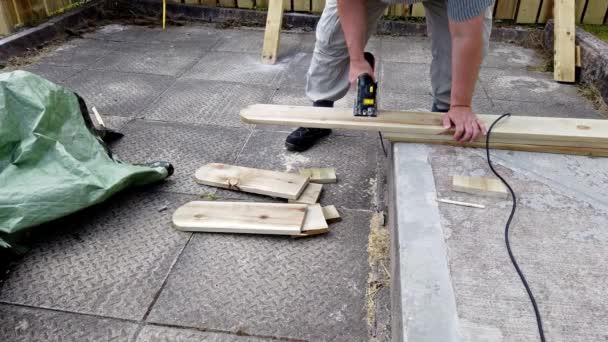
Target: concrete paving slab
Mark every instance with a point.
(354, 159)
(415, 50)
(79, 53)
(310, 289)
(251, 41)
(505, 56)
(153, 333)
(206, 102)
(235, 67)
(109, 260)
(23, 324)
(170, 59)
(187, 147)
(206, 36)
(120, 33)
(54, 73)
(118, 93)
(530, 86)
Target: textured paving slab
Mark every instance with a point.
(22, 324)
(503, 55)
(169, 59)
(236, 67)
(354, 159)
(186, 147)
(152, 333)
(206, 102)
(54, 73)
(79, 53)
(412, 50)
(251, 41)
(111, 260)
(118, 93)
(121, 33)
(312, 289)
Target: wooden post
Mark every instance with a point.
(565, 33)
(272, 34)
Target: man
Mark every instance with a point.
(459, 30)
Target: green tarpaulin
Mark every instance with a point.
(51, 161)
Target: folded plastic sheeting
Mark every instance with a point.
(51, 161)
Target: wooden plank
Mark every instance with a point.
(565, 31)
(310, 195)
(245, 4)
(479, 186)
(505, 9)
(256, 181)
(286, 5)
(227, 3)
(6, 24)
(325, 175)
(578, 60)
(464, 204)
(579, 8)
(595, 12)
(513, 128)
(301, 5)
(331, 214)
(272, 34)
(546, 11)
(527, 11)
(212, 3)
(582, 151)
(318, 6)
(418, 10)
(314, 222)
(240, 217)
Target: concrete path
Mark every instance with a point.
(120, 272)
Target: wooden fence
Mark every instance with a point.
(519, 11)
(16, 13)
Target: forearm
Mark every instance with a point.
(353, 18)
(467, 49)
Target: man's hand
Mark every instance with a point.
(358, 68)
(467, 126)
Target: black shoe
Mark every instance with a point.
(304, 138)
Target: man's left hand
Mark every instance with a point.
(466, 124)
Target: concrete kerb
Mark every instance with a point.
(594, 58)
(22, 42)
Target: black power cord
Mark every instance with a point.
(539, 322)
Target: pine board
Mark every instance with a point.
(272, 33)
(310, 195)
(320, 175)
(505, 9)
(479, 186)
(512, 129)
(318, 6)
(595, 12)
(526, 14)
(314, 222)
(301, 5)
(565, 32)
(418, 10)
(240, 217)
(256, 181)
(331, 214)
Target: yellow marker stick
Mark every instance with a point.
(164, 12)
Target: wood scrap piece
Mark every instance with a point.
(310, 195)
(314, 222)
(464, 204)
(564, 34)
(479, 186)
(320, 175)
(331, 214)
(240, 217)
(256, 181)
(272, 34)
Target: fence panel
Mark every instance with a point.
(595, 11)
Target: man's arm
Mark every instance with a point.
(353, 18)
(467, 49)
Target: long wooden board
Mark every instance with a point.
(513, 129)
(325, 175)
(240, 217)
(310, 195)
(564, 32)
(256, 181)
(314, 222)
(272, 34)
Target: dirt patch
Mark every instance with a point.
(591, 93)
(378, 280)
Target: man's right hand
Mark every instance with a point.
(358, 68)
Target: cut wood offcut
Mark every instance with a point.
(314, 222)
(479, 186)
(241, 217)
(320, 175)
(256, 181)
(310, 195)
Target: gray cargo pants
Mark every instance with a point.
(327, 77)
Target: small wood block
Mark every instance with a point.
(331, 214)
(314, 222)
(240, 217)
(479, 186)
(310, 195)
(320, 175)
(256, 181)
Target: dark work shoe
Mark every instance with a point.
(437, 110)
(302, 138)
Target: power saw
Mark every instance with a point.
(367, 90)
